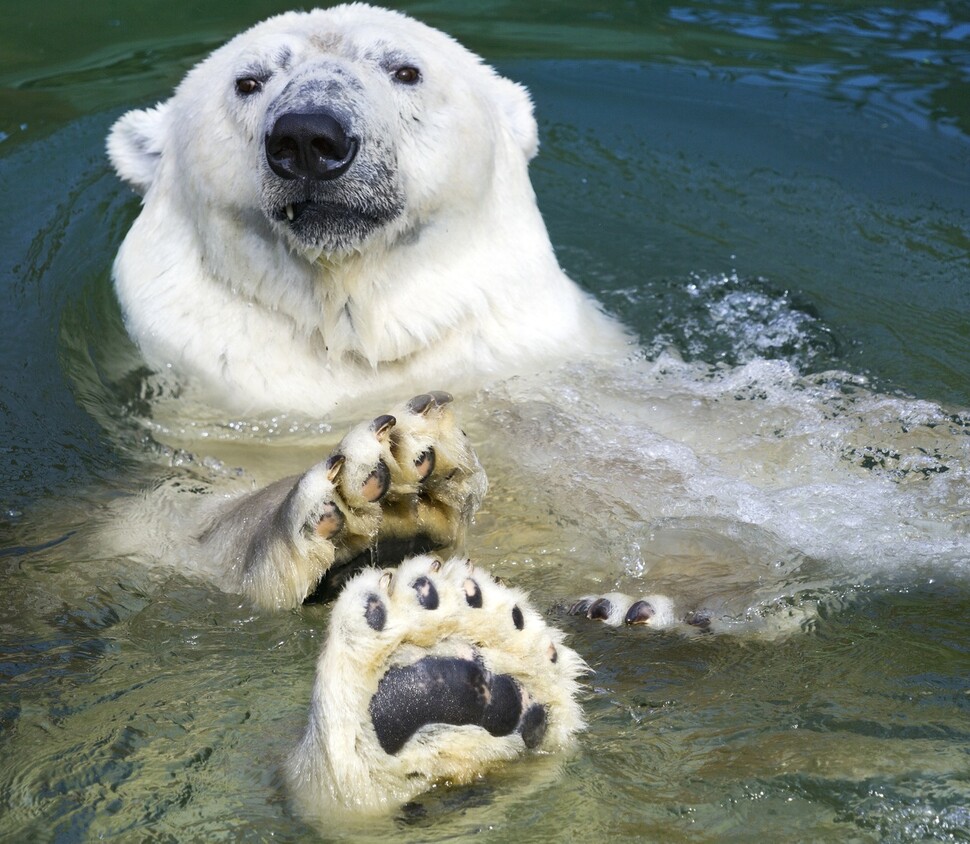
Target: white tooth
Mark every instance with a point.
(289, 212)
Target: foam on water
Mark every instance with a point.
(729, 318)
(731, 484)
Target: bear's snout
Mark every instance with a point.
(310, 145)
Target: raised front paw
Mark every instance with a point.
(437, 483)
(430, 672)
(400, 484)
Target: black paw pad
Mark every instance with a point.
(375, 613)
(639, 613)
(445, 690)
(427, 594)
(517, 618)
(533, 725)
(473, 594)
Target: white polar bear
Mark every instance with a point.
(337, 211)
(336, 205)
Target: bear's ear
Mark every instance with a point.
(516, 105)
(135, 145)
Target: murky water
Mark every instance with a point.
(777, 191)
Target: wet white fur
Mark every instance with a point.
(339, 765)
(463, 286)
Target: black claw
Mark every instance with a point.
(517, 618)
(335, 463)
(419, 404)
(581, 607)
(599, 609)
(427, 594)
(473, 594)
(375, 613)
(640, 613)
(382, 425)
(441, 397)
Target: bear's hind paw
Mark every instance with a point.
(433, 672)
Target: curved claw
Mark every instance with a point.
(421, 404)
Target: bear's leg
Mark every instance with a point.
(393, 486)
(775, 617)
(432, 672)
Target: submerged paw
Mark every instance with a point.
(432, 672)
(615, 609)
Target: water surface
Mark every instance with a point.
(775, 191)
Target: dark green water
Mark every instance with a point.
(745, 181)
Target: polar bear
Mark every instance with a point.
(337, 205)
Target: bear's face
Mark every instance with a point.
(331, 128)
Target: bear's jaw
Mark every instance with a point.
(332, 217)
(313, 227)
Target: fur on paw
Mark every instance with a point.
(430, 673)
(403, 483)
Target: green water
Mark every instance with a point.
(741, 180)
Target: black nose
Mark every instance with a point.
(309, 146)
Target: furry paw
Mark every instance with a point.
(430, 673)
(401, 484)
(615, 609)
(412, 481)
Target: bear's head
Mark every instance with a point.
(328, 129)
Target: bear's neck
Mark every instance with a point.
(403, 294)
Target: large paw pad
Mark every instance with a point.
(433, 672)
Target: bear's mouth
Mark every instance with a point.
(317, 224)
(455, 691)
(293, 212)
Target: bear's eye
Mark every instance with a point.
(247, 85)
(407, 75)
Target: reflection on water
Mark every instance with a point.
(910, 63)
(772, 189)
